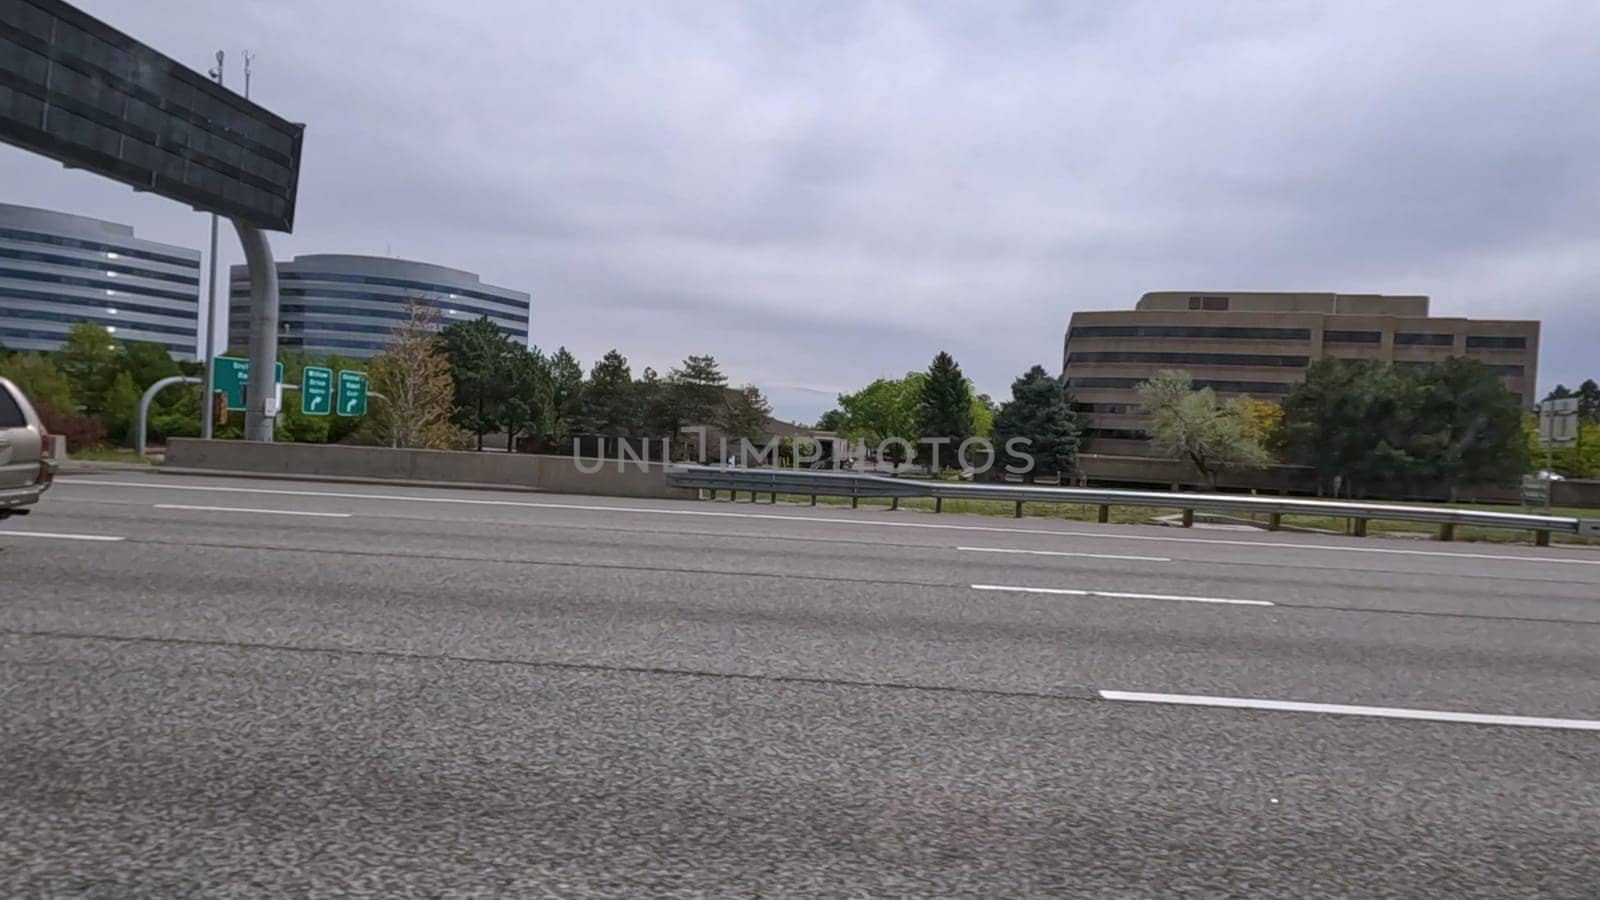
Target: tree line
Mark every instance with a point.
(1363, 426)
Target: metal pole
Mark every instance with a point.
(260, 393)
(144, 406)
(207, 414)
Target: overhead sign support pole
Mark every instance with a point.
(261, 410)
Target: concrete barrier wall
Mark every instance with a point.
(556, 474)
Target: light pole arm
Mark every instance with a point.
(149, 395)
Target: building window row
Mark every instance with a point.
(106, 266)
(1110, 409)
(1197, 359)
(1209, 304)
(103, 284)
(1117, 434)
(1416, 339)
(1219, 332)
(54, 338)
(1352, 337)
(102, 303)
(1507, 370)
(1496, 342)
(399, 283)
(333, 342)
(76, 243)
(1220, 386)
(393, 312)
(71, 319)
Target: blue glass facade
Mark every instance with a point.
(58, 269)
(350, 305)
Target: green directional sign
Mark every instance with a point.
(352, 397)
(229, 375)
(316, 390)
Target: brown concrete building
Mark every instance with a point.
(1259, 345)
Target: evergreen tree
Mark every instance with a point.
(1589, 401)
(1040, 411)
(481, 365)
(944, 408)
(700, 386)
(610, 406)
(566, 394)
(746, 414)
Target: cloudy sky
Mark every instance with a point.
(822, 193)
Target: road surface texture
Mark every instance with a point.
(243, 687)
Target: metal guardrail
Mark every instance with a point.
(857, 486)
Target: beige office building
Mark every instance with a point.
(1259, 345)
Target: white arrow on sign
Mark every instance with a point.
(316, 400)
(350, 406)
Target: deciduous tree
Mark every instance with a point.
(1190, 425)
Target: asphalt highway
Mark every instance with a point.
(217, 686)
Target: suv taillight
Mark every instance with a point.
(47, 472)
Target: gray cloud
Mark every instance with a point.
(823, 193)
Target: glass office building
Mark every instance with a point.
(58, 269)
(331, 304)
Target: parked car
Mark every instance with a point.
(25, 471)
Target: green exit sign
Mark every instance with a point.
(229, 374)
(316, 390)
(352, 393)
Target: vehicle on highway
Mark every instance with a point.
(25, 472)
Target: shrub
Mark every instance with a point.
(80, 431)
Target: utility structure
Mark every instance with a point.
(93, 98)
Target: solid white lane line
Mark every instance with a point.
(1118, 595)
(1338, 709)
(62, 537)
(832, 520)
(1064, 553)
(237, 509)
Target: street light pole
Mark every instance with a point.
(207, 413)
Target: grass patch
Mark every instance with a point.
(109, 454)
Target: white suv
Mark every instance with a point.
(25, 472)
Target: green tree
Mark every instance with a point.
(119, 406)
(481, 362)
(944, 407)
(526, 408)
(147, 362)
(566, 394)
(40, 380)
(1040, 412)
(1368, 427)
(1561, 392)
(1466, 428)
(610, 403)
(1189, 424)
(884, 409)
(984, 409)
(833, 420)
(90, 359)
(700, 386)
(660, 405)
(1589, 401)
(746, 414)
